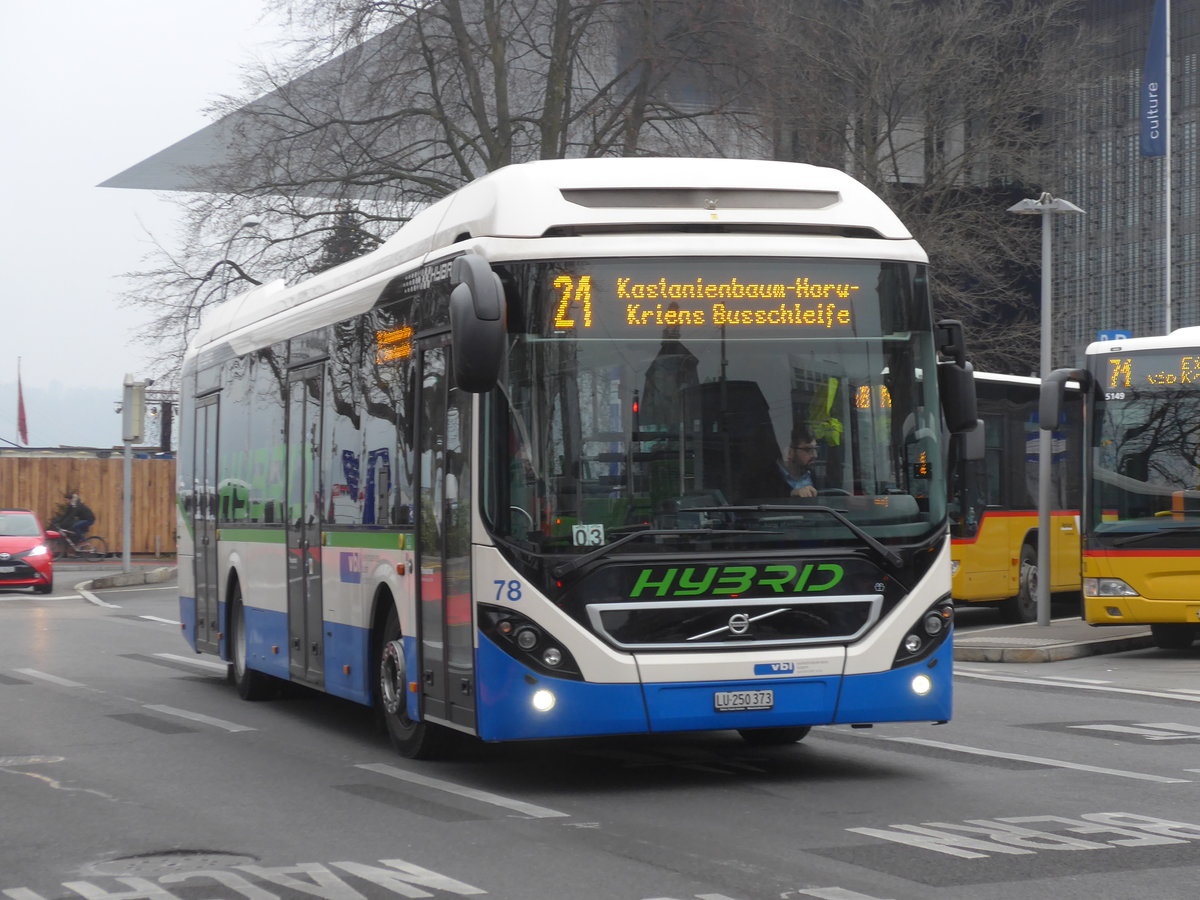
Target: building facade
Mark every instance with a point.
(1109, 266)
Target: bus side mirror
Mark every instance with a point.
(477, 323)
(956, 383)
(1050, 402)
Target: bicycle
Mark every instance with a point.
(63, 544)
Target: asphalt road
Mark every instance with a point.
(130, 769)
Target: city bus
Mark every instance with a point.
(993, 499)
(518, 473)
(1141, 522)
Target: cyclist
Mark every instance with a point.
(77, 518)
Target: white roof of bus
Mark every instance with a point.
(525, 201)
(1179, 338)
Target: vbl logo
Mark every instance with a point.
(350, 566)
(779, 668)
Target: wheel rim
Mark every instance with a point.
(392, 678)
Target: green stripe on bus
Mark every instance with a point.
(371, 540)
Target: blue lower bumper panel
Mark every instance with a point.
(506, 709)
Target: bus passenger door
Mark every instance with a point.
(204, 525)
(444, 543)
(305, 613)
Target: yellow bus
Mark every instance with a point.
(994, 516)
(1141, 524)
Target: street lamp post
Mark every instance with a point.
(1045, 206)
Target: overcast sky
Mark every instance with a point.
(90, 88)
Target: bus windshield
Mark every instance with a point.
(733, 403)
(1146, 450)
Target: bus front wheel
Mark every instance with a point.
(1172, 637)
(412, 739)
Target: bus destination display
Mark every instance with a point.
(1151, 369)
(633, 304)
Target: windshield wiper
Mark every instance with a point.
(580, 561)
(888, 554)
(1149, 535)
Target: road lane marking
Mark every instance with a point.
(199, 717)
(529, 809)
(1040, 760)
(196, 661)
(174, 622)
(92, 598)
(53, 679)
(1017, 679)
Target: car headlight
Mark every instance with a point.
(39, 550)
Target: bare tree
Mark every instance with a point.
(387, 106)
(936, 105)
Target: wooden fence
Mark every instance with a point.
(37, 480)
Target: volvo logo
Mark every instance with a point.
(739, 623)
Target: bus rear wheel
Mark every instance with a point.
(250, 684)
(410, 738)
(1172, 637)
(1023, 607)
(774, 737)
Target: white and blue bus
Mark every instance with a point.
(522, 471)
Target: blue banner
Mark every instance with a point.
(1154, 113)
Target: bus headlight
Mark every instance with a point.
(928, 633)
(543, 700)
(527, 642)
(1107, 587)
(922, 684)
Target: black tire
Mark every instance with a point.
(774, 737)
(92, 548)
(250, 683)
(1023, 607)
(413, 740)
(44, 588)
(1172, 637)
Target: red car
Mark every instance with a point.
(25, 557)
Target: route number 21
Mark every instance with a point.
(573, 293)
